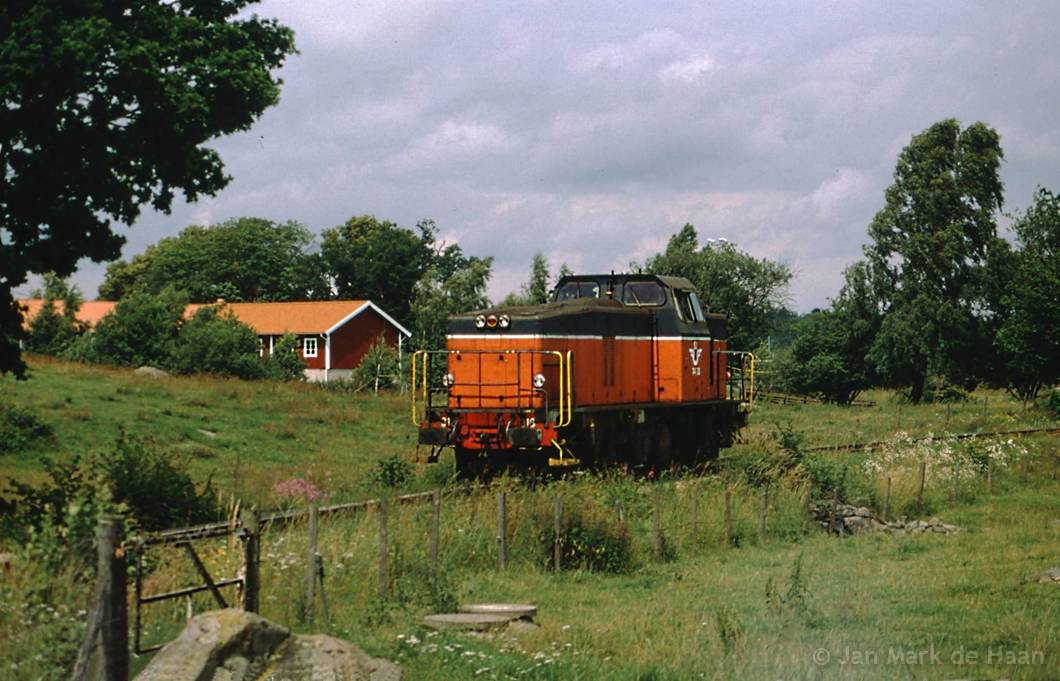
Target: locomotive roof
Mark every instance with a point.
(666, 280)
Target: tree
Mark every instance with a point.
(827, 357)
(379, 261)
(378, 368)
(243, 259)
(106, 107)
(535, 291)
(213, 341)
(745, 288)
(929, 245)
(1028, 339)
(141, 330)
(285, 361)
(52, 331)
(454, 283)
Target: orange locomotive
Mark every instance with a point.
(615, 370)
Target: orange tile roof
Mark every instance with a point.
(274, 319)
(267, 319)
(90, 313)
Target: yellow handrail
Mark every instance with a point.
(564, 416)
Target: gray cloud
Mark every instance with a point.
(592, 132)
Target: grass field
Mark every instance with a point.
(794, 605)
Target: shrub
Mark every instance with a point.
(590, 539)
(378, 368)
(51, 332)
(141, 330)
(392, 472)
(134, 476)
(214, 342)
(20, 427)
(285, 363)
(1052, 402)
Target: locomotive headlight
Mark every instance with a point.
(504, 321)
(448, 380)
(480, 321)
(491, 321)
(539, 381)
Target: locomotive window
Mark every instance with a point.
(688, 306)
(577, 289)
(643, 293)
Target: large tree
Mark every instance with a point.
(827, 357)
(535, 291)
(106, 107)
(380, 261)
(929, 248)
(745, 288)
(1028, 340)
(244, 259)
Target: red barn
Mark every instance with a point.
(333, 335)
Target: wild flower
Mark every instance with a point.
(297, 489)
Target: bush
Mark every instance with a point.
(285, 363)
(20, 428)
(378, 368)
(590, 539)
(51, 332)
(392, 472)
(212, 342)
(141, 330)
(135, 476)
(1051, 401)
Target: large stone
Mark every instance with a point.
(1052, 575)
(232, 645)
(466, 621)
(151, 372)
(513, 611)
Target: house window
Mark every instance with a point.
(261, 346)
(309, 347)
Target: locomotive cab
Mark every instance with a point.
(615, 369)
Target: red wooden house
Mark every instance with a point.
(333, 335)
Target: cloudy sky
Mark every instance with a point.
(592, 132)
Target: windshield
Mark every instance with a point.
(577, 289)
(643, 293)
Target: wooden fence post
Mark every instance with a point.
(436, 521)
(887, 501)
(695, 511)
(109, 619)
(657, 523)
(920, 486)
(383, 550)
(807, 513)
(311, 565)
(251, 561)
(728, 517)
(502, 530)
(557, 527)
(762, 510)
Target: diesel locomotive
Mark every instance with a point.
(616, 370)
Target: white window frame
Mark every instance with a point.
(308, 343)
(261, 346)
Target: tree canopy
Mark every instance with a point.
(1028, 339)
(745, 288)
(929, 247)
(380, 261)
(107, 107)
(244, 259)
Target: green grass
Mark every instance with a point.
(874, 601)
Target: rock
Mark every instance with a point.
(232, 645)
(514, 611)
(151, 372)
(863, 512)
(466, 621)
(1049, 576)
(206, 433)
